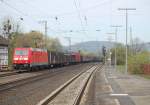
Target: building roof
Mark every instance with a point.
(3, 41)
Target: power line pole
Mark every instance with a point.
(45, 34)
(126, 10)
(116, 32)
(109, 51)
(45, 29)
(131, 41)
(69, 40)
(18, 26)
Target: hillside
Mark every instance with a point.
(91, 46)
(147, 46)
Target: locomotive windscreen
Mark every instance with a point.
(21, 52)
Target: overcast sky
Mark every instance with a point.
(100, 15)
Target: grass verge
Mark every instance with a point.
(145, 76)
(121, 68)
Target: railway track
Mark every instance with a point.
(13, 72)
(10, 85)
(33, 92)
(70, 93)
(8, 74)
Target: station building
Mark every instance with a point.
(3, 53)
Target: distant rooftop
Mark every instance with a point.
(3, 41)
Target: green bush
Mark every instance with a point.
(135, 62)
(120, 54)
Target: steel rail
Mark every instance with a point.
(52, 96)
(8, 74)
(78, 99)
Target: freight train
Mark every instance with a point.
(35, 58)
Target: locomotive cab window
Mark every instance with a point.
(21, 52)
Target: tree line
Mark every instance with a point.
(138, 55)
(34, 39)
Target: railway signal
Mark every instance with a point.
(104, 53)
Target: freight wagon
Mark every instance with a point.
(75, 57)
(57, 59)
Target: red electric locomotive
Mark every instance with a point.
(29, 58)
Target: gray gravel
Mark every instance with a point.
(68, 95)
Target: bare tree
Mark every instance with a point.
(137, 46)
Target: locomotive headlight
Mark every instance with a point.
(25, 58)
(15, 58)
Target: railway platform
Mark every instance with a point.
(115, 88)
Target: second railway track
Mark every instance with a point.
(17, 83)
(12, 72)
(8, 73)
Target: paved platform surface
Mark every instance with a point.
(114, 88)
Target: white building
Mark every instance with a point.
(3, 53)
